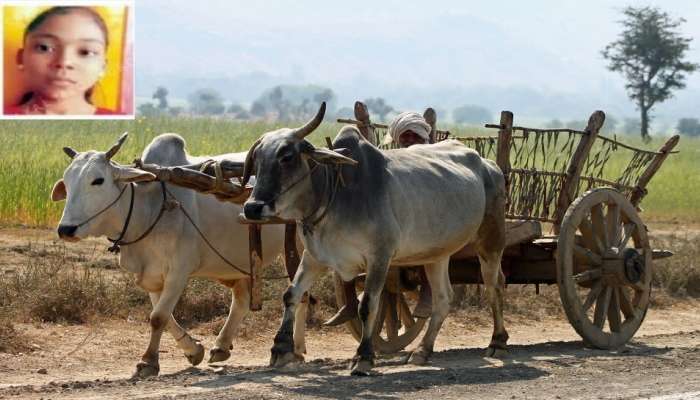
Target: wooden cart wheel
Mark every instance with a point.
(395, 318)
(604, 268)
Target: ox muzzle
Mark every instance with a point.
(67, 232)
(254, 209)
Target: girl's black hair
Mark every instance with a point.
(64, 10)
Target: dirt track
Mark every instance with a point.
(547, 360)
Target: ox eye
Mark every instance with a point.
(98, 181)
(286, 158)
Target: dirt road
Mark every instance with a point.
(546, 361)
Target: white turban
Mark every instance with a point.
(407, 121)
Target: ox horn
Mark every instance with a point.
(249, 161)
(70, 152)
(116, 146)
(313, 124)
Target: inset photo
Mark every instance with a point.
(68, 60)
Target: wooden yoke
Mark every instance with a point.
(365, 125)
(573, 171)
(640, 188)
(505, 133)
(255, 254)
(431, 118)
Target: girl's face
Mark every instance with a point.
(64, 56)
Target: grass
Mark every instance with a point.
(31, 160)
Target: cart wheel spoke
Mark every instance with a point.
(592, 296)
(586, 256)
(612, 222)
(391, 321)
(589, 239)
(405, 312)
(638, 286)
(614, 311)
(628, 231)
(588, 276)
(626, 304)
(599, 229)
(601, 307)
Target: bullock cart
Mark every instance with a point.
(572, 220)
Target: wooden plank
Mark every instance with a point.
(640, 187)
(516, 232)
(573, 171)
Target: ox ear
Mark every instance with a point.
(58, 192)
(325, 156)
(128, 174)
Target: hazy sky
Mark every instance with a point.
(545, 45)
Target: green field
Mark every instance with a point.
(31, 160)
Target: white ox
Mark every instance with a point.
(97, 196)
(413, 206)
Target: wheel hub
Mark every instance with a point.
(634, 265)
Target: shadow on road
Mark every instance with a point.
(462, 367)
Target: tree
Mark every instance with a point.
(471, 114)
(378, 106)
(631, 125)
(238, 111)
(689, 126)
(147, 110)
(161, 94)
(206, 101)
(650, 54)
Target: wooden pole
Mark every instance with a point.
(505, 134)
(255, 253)
(291, 255)
(430, 117)
(365, 126)
(640, 188)
(575, 167)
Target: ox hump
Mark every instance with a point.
(166, 149)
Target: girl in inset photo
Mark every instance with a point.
(61, 61)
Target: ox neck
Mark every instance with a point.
(324, 182)
(146, 204)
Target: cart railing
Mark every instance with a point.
(546, 169)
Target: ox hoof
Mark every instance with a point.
(196, 357)
(145, 370)
(300, 349)
(419, 357)
(279, 360)
(362, 367)
(495, 352)
(218, 354)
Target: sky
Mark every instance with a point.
(410, 52)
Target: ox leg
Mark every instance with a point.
(193, 349)
(439, 280)
(283, 348)
(363, 361)
(299, 333)
(240, 306)
(159, 320)
(494, 281)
